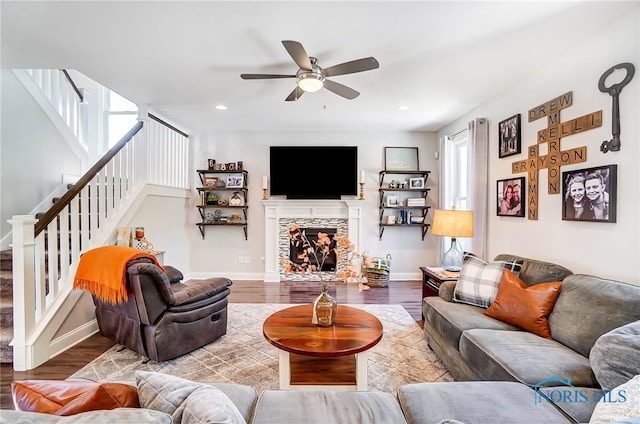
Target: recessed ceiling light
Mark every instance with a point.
(221, 107)
(403, 107)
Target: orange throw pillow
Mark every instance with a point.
(62, 397)
(523, 306)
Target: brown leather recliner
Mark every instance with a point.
(164, 318)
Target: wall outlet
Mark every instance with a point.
(247, 259)
(240, 259)
(261, 259)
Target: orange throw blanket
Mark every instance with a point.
(103, 271)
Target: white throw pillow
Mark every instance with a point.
(479, 280)
(622, 403)
(186, 401)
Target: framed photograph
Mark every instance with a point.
(590, 194)
(510, 194)
(401, 159)
(210, 182)
(509, 136)
(416, 183)
(391, 202)
(235, 181)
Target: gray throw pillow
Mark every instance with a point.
(186, 401)
(614, 356)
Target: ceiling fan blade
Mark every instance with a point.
(359, 65)
(264, 76)
(298, 53)
(295, 94)
(341, 90)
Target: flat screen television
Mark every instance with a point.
(313, 172)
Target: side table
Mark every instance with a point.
(433, 277)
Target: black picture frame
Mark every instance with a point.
(510, 198)
(598, 201)
(509, 137)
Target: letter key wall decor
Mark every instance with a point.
(555, 157)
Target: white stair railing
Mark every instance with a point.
(84, 218)
(65, 97)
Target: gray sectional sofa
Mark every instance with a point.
(474, 346)
(504, 374)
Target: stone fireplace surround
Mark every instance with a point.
(279, 215)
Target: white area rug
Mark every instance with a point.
(244, 356)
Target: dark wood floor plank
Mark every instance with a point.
(405, 293)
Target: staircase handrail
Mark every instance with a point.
(64, 201)
(73, 84)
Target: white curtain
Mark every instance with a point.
(479, 182)
(477, 135)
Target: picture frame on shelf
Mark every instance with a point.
(590, 194)
(416, 183)
(210, 182)
(391, 202)
(401, 159)
(510, 201)
(235, 181)
(509, 137)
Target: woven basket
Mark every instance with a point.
(378, 276)
(375, 279)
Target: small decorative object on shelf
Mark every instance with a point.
(324, 309)
(139, 232)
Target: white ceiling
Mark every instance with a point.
(440, 58)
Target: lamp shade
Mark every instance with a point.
(452, 223)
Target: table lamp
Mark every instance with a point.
(452, 223)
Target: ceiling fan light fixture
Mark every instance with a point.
(310, 81)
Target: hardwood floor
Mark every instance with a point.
(405, 293)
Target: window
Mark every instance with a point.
(121, 116)
(455, 181)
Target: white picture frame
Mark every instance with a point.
(235, 181)
(392, 202)
(416, 183)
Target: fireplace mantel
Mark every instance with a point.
(274, 210)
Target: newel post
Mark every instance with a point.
(24, 292)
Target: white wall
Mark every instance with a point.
(218, 252)
(610, 250)
(34, 155)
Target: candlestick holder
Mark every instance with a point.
(361, 191)
(264, 194)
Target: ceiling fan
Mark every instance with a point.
(312, 77)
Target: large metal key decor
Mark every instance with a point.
(614, 91)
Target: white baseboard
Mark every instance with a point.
(72, 338)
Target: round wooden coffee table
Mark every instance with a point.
(323, 357)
